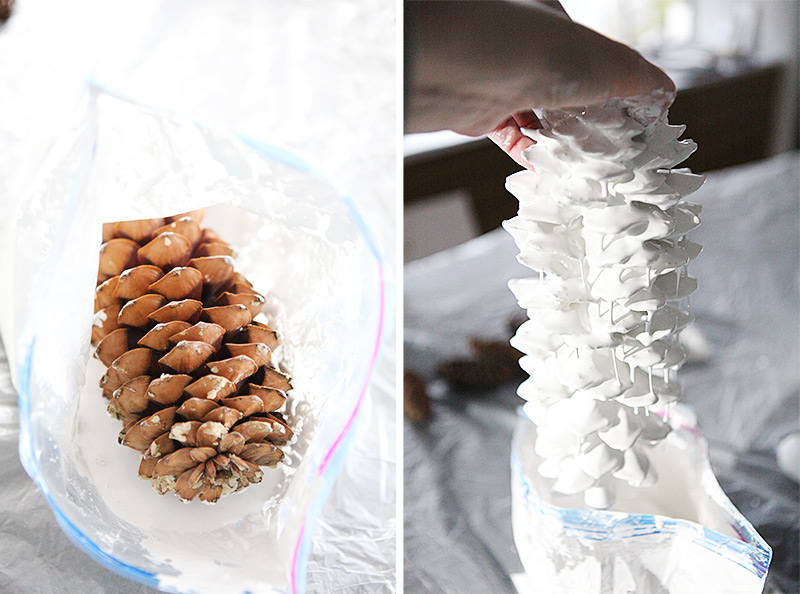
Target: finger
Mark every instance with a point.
(556, 6)
(600, 68)
(527, 119)
(510, 138)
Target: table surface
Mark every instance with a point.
(746, 394)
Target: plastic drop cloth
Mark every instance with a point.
(293, 74)
(746, 391)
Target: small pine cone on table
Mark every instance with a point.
(189, 369)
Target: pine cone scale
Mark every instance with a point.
(187, 310)
(158, 338)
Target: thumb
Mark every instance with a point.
(588, 68)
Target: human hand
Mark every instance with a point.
(482, 67)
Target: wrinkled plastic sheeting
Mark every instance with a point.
(747, 397)
(457, 494)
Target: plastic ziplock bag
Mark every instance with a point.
(299, 242)
(682, 536)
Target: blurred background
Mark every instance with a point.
(735, 63)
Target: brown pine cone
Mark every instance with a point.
(492, 363)
(498, 353)
(416, 402)
(6, 7)
(189, 371)
(474, 374)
